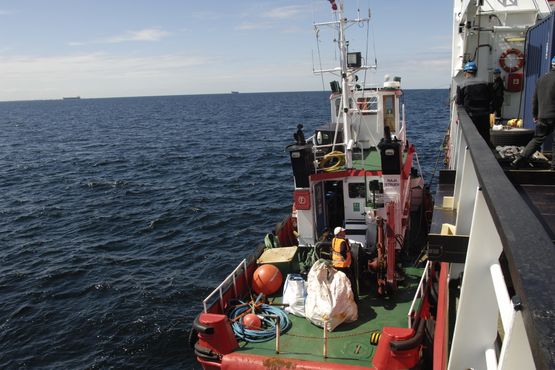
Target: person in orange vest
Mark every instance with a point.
(341, 256)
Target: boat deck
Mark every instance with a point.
(349, 343)
(537, 187)
(369, 160)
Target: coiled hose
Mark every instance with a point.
(264, 334)
(332, 161)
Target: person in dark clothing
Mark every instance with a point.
(497, 92)
(475, 96)
(543, 110)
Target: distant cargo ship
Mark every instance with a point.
(71, 98)
(235, 92)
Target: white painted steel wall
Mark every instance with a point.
(484, 299)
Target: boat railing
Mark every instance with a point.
(420, 293)
(229, 280)
(507, 275)
(321, 150)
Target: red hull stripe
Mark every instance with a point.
(408, 162)
(440, 333)
(243, 361)
(342, 174)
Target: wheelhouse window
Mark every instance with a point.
(337, 105)
(389, 112)
(375, 194)
(357, 190)
(367, 105)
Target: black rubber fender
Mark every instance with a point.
(516, 136)
(193, 338)
(200, 328)
(206, 353)
(416, 340)
(355, 265)
(323, 250)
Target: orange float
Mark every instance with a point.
(252, 322)
(266, 279)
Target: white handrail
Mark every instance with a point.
(419, 291)
(506, 309)
(230, 277)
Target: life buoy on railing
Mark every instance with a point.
(512, 54)
(332, 161)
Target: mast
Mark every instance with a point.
(346, 91)
(345, 70)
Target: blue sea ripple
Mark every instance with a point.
(118, 216)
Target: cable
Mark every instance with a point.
(418, 164)
(479, 16)
(400, 240)
(261, 335)
(438, 156)
(320, 58)
(338, 159)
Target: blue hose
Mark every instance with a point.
(268, 331)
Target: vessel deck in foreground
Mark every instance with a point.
(349, 344)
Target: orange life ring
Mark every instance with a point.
(519, 56)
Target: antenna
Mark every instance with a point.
(349, 64)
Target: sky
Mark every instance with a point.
(113, 48)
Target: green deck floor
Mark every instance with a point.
(369, 160)
(348, 343)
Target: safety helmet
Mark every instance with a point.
(470, 66)
(337, 230)
(497, 71)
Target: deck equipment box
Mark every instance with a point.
(285, 259)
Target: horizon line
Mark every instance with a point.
(193, 94)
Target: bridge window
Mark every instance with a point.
(367, 105)
(389, 112)
(356, 190)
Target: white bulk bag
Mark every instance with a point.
(294, 294)
(329, 297)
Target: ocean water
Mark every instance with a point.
(118, 216)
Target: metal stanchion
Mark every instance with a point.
(277, 335)
(325, 339)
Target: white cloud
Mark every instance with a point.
(273, 17)
(207, 16)
(147, 34)
(5, 12)
(91, 65)
(253, 26)
(93, 75)
(285, 12)
(414, 75)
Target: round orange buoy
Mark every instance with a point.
(252, 322)
(266, 279)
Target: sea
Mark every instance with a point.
(118, 216)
